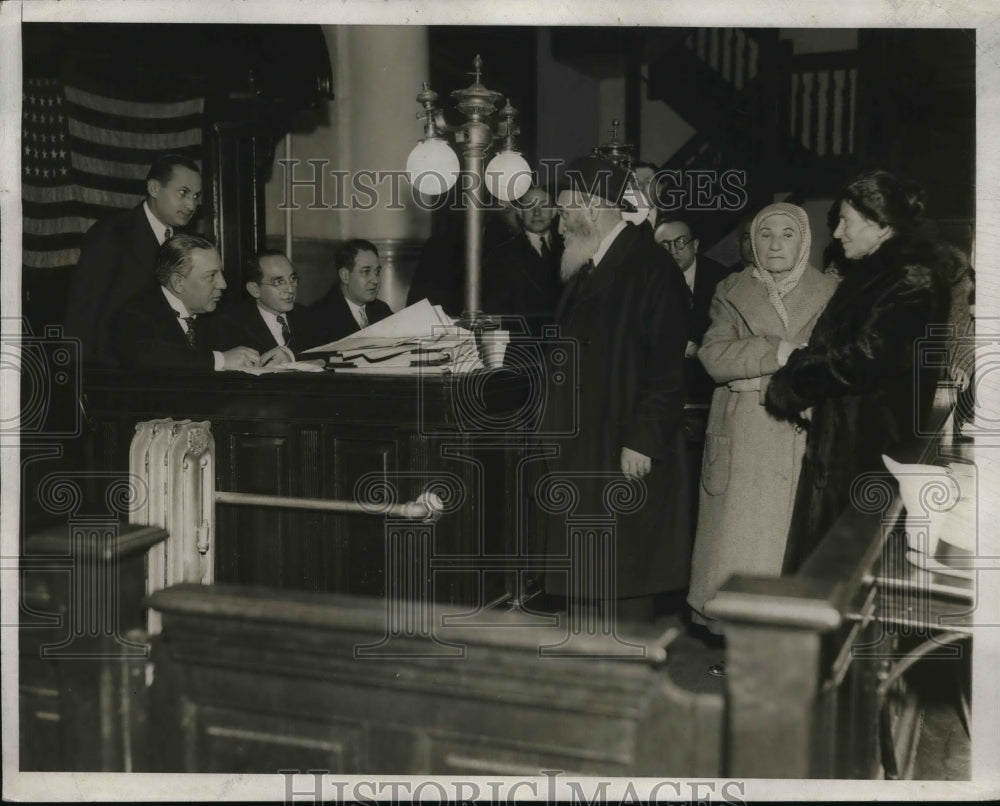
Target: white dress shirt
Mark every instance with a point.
(159, 228)
(182, 314)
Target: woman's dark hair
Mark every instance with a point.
(881, 197)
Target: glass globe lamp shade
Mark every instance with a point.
(508, 176)
(432, 167)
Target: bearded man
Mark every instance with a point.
(625, 306)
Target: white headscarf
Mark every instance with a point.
(777, 289)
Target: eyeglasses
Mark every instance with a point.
(282, 282)
(677, 244)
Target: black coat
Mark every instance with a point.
(858, 375)
(331, 318)
(117, 260)
(149, 336)
(706, 278)
(242, 325)
(519, 282)
(628, 319)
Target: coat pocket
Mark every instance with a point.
(715, 463)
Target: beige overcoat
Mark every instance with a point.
(751, 461)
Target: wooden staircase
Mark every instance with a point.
(789, 121)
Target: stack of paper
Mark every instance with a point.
(417, 339)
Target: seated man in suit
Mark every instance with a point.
(521, 275)
(270, 322)
(352, 303)
(162, 326)
(118, 256)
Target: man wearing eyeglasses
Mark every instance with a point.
(353, 303)
(269, 321)
(701, 274)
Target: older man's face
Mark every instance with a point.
(201, 289)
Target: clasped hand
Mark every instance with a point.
(635, 465)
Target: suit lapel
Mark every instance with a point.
(144, 245)
(259, 330)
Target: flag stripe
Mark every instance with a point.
(94, 117)
(63, 240)
(137, 109)
(132, 155)
(149, 141)
(85, 156)
(57, 226)
(120, 170)
(87, 195)
(50, 259)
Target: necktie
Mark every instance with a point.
(362, 317)
(544, 250)
(190, 334)
(286, 334)
(167, 234)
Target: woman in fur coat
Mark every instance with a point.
(858, 375)
(751, 460)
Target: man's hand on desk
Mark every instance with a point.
(276, 356)
(240, 358)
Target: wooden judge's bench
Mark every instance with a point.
(314, 648)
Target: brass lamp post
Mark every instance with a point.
(433, 169)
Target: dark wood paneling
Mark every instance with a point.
(250, 676)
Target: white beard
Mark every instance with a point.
(579, 248)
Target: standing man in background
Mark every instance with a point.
(118, 257)
(521, 275)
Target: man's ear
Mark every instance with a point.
(153, 188)
(344, 275)
(176, 282)
(253, 289)
(695, 244)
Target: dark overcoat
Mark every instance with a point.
(628, 320)
(859, 376)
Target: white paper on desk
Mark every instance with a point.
(418, 321)
(291, 366)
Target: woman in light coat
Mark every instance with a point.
(752, 460)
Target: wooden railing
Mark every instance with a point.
(734, 53)
(816, 93)
(820, 104)
(807, 655)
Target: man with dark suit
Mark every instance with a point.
(701, 275)
(521, 275)
(625, 308)
(118, 256)
(270, 322)
(162, 327)
(352, 303)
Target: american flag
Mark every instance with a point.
(85, 155)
